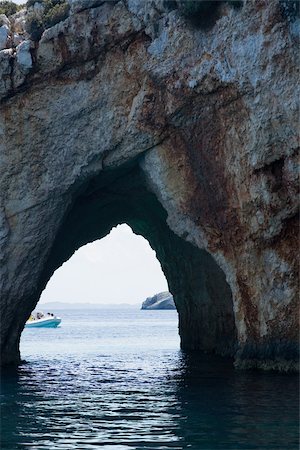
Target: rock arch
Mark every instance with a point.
(186, 116)
(201, 293)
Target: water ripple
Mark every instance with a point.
(111, 394)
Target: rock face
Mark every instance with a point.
(127, 112)
(163, 300)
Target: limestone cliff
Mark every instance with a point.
(129, 112)
(163, 300)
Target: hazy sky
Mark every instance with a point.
(120, 268)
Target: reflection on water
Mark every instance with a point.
(131, 387)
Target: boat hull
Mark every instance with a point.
(52, 322)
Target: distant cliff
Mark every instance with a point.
(163, 300)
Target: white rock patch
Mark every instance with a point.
(4, 34)
(24, 58)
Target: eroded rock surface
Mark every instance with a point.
(126, 112)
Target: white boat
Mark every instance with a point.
(47, 321)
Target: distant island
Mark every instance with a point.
(163, 300)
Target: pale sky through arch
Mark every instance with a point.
(120, 268)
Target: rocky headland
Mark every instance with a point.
(181, 121)
(163, 300)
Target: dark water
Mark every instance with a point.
(117, 380)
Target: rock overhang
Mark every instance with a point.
(117, 83)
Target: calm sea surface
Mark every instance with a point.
(116, 379)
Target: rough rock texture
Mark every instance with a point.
(163, 300)
(125, 112)
(4, 34)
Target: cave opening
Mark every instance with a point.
(120, 269)
(201, 294)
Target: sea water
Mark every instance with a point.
(116, 379)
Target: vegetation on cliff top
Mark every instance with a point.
(51, 13)
(9, 8)
(201, 13)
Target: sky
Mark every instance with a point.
(120, 268)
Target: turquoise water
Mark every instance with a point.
(117, 380)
